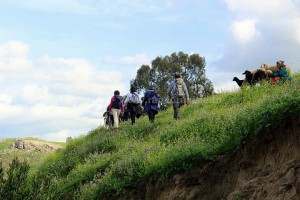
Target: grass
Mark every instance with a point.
(109, 161)
(32, 157)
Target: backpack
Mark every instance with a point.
(134, 99)
(117, 104)
(179, 89)
(153, 98)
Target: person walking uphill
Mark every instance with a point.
(116, 106)
(177, 90)
(133, 103)
(150, 103)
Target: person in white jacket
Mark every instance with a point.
(133, 104)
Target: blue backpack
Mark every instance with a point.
(153, 99)
(117, 102)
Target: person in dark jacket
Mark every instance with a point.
(151, 102)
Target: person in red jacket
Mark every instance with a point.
(116, 106)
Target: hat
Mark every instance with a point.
(280, 62)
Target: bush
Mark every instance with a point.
(14, 186)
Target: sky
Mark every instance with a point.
(61, 61)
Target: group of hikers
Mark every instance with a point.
(133, 106)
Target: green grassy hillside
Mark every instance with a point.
(108, 161)
(31, 156)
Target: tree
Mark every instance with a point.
(161, 73)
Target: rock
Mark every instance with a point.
(34, 145)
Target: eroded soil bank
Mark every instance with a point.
(265, 167)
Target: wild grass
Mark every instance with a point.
(109, 161)
(31, 156)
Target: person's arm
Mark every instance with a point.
(186, 92)
(145, 99)
(127, 98)
(170, 88)
(110, 104)
(122, 107)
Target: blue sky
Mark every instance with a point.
(60, 61)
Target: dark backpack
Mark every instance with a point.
(153, 99)
(117, 103)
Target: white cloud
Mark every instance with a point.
(244, 31)
(57, 136)
(8, 113)
(267, 7)
(296, 26)
(14, 57)
(52, 94)
(34, 94)
(4, 98)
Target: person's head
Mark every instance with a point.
(116, 92)
(280, 63)
(151, 87)
(132, 89)
(177, 75)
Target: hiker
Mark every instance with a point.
(177, 90)
(133, 104)
(281, 75)
(151, 102)
(116, 106)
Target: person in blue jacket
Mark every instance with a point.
(151, 103)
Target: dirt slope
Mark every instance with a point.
(265, 167)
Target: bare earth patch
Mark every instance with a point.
(42, 146)
(265, 167)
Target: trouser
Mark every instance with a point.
(177, 103)
(116, 114)
(151, 115)
(132, 116)
(133, 109)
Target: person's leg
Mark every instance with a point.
(176, 108)
(181, 102)
(111, 120)
(132, 116)
(151, 116)
(154, 113)
(119, 112)
(116, 117)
